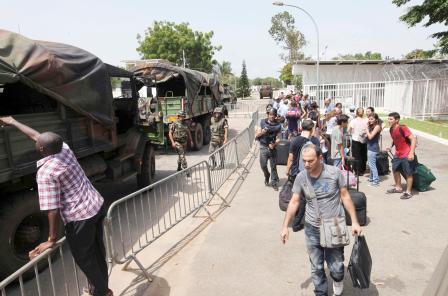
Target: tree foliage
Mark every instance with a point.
(284, 32)
(226, 76)
(168, 40)
(429, 12)
(288, 78)
(360, 56)
(274, 82)
(420, 54)
(243, 83)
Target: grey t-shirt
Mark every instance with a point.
(336, 138)
(327, 188)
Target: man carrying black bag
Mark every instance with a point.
(324, 188)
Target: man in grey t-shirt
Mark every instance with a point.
(329, 186)
(337, 138)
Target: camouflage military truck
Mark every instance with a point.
(61, 88)
(178, 88)
(228, 95)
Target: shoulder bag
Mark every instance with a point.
(333, 231)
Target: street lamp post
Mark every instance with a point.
(317, 35)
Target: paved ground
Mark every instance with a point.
(241, 254)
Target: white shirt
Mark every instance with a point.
(359, 129)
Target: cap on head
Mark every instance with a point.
(181, 113)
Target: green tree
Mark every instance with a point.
(226, 68)
(430, 12)
(284, 32)
(288, 79)
(243, 83)
(167, 40)
(420, 54)
(360, 56)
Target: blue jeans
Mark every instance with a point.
(334, 258)
(371, 159)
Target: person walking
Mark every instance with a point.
(328, 184)
(293, 117)
(64, 190)
(405, 160)
(267, 133)
(219, 133)
(358, 130)
(179, 135)
(337, 153)
(293, 165)
(373, 147)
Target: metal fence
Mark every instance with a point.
(134, 222)
(413, 98)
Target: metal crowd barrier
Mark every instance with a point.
(63, 276)
(135, 221)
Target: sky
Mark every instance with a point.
(108, 29)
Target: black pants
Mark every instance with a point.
(359, 151)
(271, 155)
(85, 239)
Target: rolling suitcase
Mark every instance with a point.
(282, 152)
(360, 202)
(382, 161)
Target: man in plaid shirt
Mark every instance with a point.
(64, 189)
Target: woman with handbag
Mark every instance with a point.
(325, 229)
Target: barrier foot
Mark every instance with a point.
(139, 266)
(205, 209)
(224, 201)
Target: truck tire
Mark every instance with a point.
(198, 137)
(23, 226)
(145, 177)
(207, 131)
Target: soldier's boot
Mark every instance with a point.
(179, 167)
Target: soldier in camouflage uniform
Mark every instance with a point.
(219, 129)
(179, 135)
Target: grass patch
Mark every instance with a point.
(439, 129)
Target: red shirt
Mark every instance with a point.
(402, 148)
(63, 185)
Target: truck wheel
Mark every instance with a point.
(207, 131)
(148, 167)
(198, 137)
(23, 226)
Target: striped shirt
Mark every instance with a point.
(63, 185)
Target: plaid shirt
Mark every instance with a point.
(62, 184)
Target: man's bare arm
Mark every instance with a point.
(293, 206)
(289, 163)
(31, 133)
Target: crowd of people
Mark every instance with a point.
(321, 146)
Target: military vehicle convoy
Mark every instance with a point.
(178, 88)
(61, 88)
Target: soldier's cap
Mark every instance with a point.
(218, 110)
(181, 113)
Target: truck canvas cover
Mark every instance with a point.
(70, 75)
(160, 71)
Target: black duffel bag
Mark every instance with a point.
(284, 197)
(360, 264)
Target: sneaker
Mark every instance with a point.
(406, 195)
(371, 184)
(338, 288)
(275, 187)
(266, 181)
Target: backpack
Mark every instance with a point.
(300, 166)
(403, 135)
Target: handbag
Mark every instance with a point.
(360, 264)
(333, 231)
(349, 176)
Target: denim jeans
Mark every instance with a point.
(371, 159)
(333, 256)
(271, 155)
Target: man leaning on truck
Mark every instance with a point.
(64, 189)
